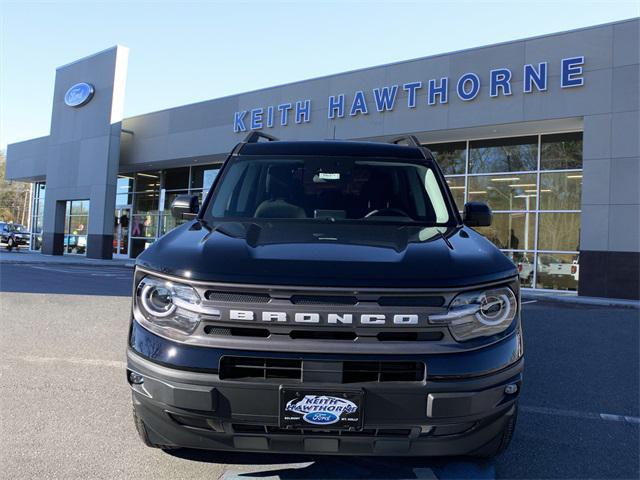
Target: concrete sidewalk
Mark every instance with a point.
(28, 257)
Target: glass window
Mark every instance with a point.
(146, 202)
(202, 177)
(450, 156)
(559, 231)
(524, 263)
(144, 225)
(560, 191)
(561, 151)
(36, 242)
(147, 181)
(176, 178)
(511, 231)
(503, 155)
(76, 224)
(123, 190)
(558, 271)
(456, 185)
(336, 188)
(504, 192)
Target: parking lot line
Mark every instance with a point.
(577, 414)
(77, 361)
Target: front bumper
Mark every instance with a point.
(442, 415)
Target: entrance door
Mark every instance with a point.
(121, 232)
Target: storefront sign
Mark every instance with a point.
(79, 94)
(433, 92)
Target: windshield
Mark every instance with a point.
(329, 189)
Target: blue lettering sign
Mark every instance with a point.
(284, 108)
(238, 122)
(464, 93)
(441, 91)
(256, 118)
(500, 78)
(571, 72)
(303, 111)
(411, 88)
(270, 117)
(385, 98)
(467, 86)
(537, 77)
(336, 106)
(359, 104)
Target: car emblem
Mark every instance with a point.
(79, 94)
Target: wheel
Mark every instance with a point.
(142, 432)
(499, 444)
(10, 244)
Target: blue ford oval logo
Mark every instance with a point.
(79, 94)
(321, 418)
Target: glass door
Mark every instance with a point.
(121, 232)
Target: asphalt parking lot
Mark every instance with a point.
(65, 409)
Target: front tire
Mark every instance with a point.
(10, 244)
(144, 436)
(500, 444)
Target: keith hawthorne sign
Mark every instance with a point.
(434, 91)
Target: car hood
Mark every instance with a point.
(332, 255)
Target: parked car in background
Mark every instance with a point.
(13, 235)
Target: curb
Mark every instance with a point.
(578, 300)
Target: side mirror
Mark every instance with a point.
(185, 206)
(477, 214)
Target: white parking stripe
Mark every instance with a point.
(577, 414)
(76, 361)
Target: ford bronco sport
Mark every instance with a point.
(327, 297)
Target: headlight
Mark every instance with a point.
(168, 304)
(479, 314)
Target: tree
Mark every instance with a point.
(14, 197)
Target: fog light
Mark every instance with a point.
(511, 389)
(135, 378)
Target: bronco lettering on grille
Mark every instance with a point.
(325, 318)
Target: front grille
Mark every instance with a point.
(323, 300)
(325, 334)
(322, 335)
(278, 369)
(361, 372)
(256, 368)
(406, 301)
(235, 297)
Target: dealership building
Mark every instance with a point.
(545, 130)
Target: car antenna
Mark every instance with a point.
(445, 239)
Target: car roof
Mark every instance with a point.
(332, 148)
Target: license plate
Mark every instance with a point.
(301, 408)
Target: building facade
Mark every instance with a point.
(545, 130)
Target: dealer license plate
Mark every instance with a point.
(301, 408)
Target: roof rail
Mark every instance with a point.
(411, 140)
(254, 137)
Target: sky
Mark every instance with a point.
(183, 52)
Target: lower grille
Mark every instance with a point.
(260, 368)
(361, 372)
(273, 430)
(278, 369)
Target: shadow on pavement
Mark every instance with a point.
(250, 465)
